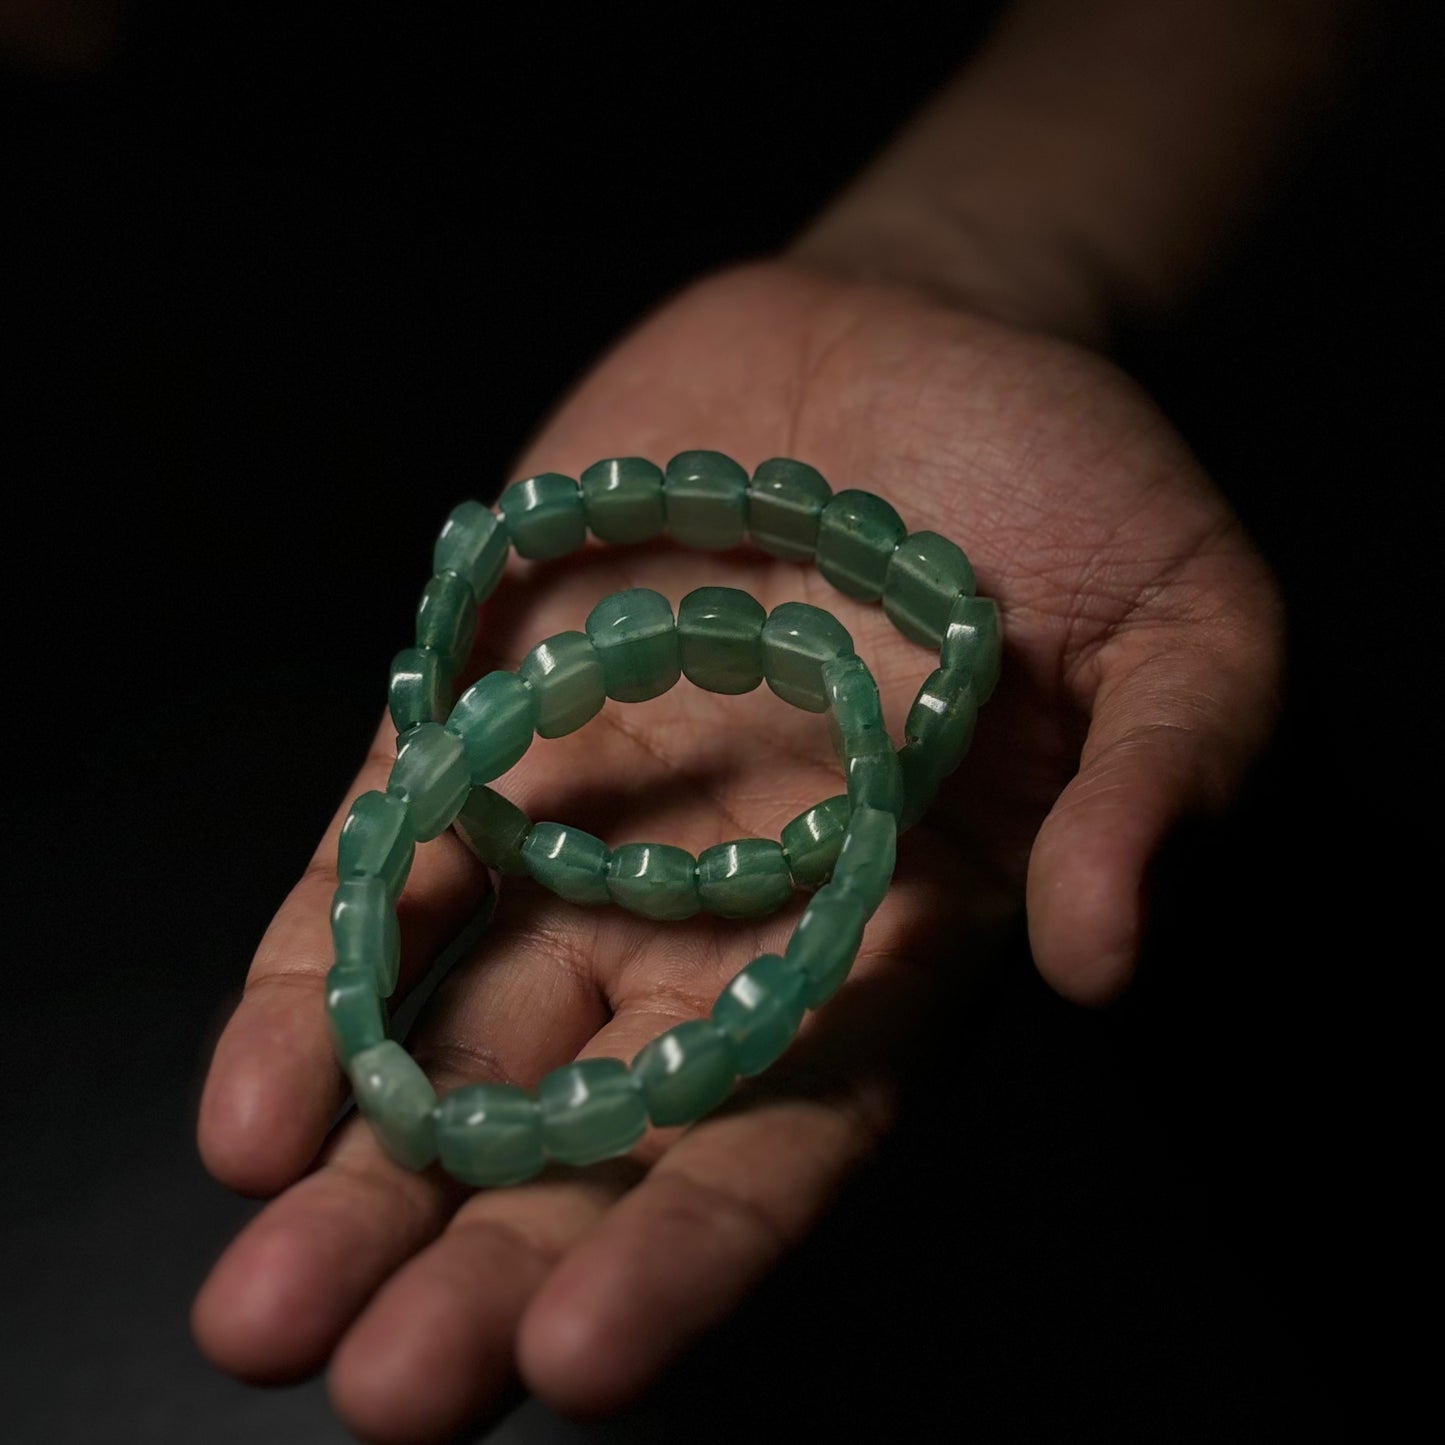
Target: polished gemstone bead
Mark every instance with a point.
(785, 500)
(874, 774)
(942, 718)
(720, 636)
(921, 780)
(573, 864)
(760, 1011)
(636, 638)
(490, 1134)
(565, 676)
(855, 711)
(826, 941)
(430, 774)
(377, 841)
(474, 544)
(743, 879)
(686, 1072)
(494, 828)
(865, 864)
(446, 619)
(622, 498)
(420, 688)
(706, 497)
(797, 640)
(398, 1099)
(926, 576)
(364, 932)
(812, 840)
(973, 643)
(354, 1013)
(495, 719)
(655, 880)
(591, 1110)
(544, 516)
(857, 534)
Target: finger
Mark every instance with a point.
(1177, 720)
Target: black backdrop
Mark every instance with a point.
(276, 293)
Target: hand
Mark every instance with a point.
(1142, 658)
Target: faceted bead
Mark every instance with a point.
(565, 676)
(785, 501)
(622, 498)
(591, 1110)
(857, 535)
(760, 1011)
(490, 1134)
(926, 576)
(495, 829)
(573, 864)
(826, 941)
(706, 497)
(354, 1013)
(398, 1099)
(973, 643)
(797, 640)
(430, 774)
(377, 841)
(812, 840)
(495, 719)
(743, 879)
(686, 1072)
(942, 718)
(544, 516)
(364, 931)
(720, 635)
(474, 544)
(875, 776)
(855, 711)
(446, 620)
(420, 688)
(655, 880)
(634, 635)
(870, 850)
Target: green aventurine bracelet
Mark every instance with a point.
(633, 649)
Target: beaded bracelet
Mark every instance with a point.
(634, 649)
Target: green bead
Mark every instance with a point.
(495, 719)
(573, 864)
(922, 778)
(636, 639)
(622, 498)
(430, 774)
(655, 880)
(812, 840)
(420, 688)
(875, 776)
(973, 643)
(797, 640)
(474, 544)
(785, 501)
(544, 516)
(565, 676)
(865, 863)
(364, 932)
(398, 1099)
(857, 535)
(591, 1110)
(495, 829)
(926, 576)
(826, 941)
(446, 619)
(760, 1011)
(855, 711)
(354, 1014)
(377, 841)
(942, 718)
(686, 1072)
(743, 879)
(706, 497)
(490, 1134)
(720, 637)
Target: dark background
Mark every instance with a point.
(276, 292)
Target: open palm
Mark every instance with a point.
(1140, 671)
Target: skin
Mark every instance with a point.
(1141, 676)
